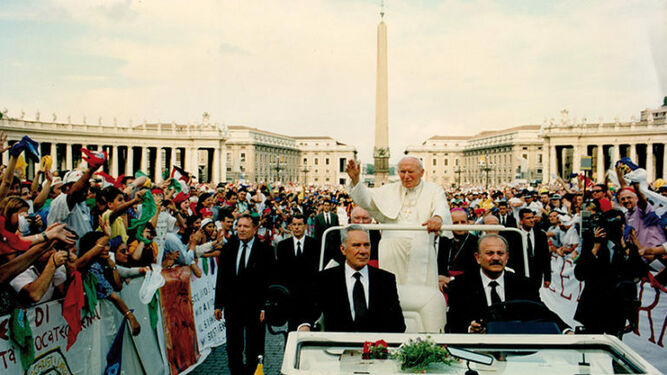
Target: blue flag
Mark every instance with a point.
(115, 355)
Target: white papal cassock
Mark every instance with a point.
(410, 255)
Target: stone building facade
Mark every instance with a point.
(150, 148)
(442, 157)
(538, 153)
(323, 160)
(255, 155)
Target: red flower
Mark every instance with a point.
(367, 347)
(381, 345)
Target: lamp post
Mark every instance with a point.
(305, 171)
(458, 172)
(486, 168)
(277, 167)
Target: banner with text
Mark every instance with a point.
(142, 354)
(563, 294)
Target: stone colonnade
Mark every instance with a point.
(150, 149)
(564, 158)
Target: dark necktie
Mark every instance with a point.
(359, 299)
(326, 218)
(495, 298)
(530, 246)
(298, 248)
(503, 221)
(242, 264)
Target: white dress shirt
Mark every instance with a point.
(531, 235)
(350, 280)
(500, 289)
(301, 242)
(247, 254)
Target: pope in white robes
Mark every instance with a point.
(411, 256)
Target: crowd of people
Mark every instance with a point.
(62, 228)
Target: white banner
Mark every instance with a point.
(142, 354)
(648, 340)
(210, 332)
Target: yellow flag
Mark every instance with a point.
(259, 370)
(46, 163)
(20, 167)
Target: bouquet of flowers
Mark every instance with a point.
(419, 354)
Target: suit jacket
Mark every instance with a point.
(539, 265)
(467, 300)
(297, 273)
(510, 220)
(245, 293)
(332, 247)
(460, 258)
(609, 288)
(330, 298)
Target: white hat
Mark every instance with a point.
(566, 220)
(72, 176)
(205, 222)
(54, 182)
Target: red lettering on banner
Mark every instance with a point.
(8, 355)
(4, 330)
(563, 278)
(649, 310)
(39, 316)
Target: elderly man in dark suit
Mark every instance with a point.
(296, 266)
(354, 297)
(324, 220)
(472, 295)
(246, 264)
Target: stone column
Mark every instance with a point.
(113, 154)
(633, 153)
(68, 156)
(54, 156)
(576, 158)
(650, 167)
(172, 159)
(600, 163)
(129, 161)
(158, 165)
(215, 177)
(553, 169)
(617, 153)
(144, 159)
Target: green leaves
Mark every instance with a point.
(418, 354)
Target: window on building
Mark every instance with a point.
(305, 161)
(435, 162)
(317, 161)
(326, 161)
(243, 157)
(446, 162)
(539, 158)
(341, 164)
(525, 156)
(524, 148)
(457, 162)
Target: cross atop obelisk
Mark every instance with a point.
(381, 149)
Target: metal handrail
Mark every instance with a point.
(445, 227)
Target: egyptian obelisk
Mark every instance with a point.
(381, 149)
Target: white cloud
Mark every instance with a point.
(308, 67)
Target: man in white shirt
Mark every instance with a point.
(355, 297)
(296, 266)
(472, 295)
